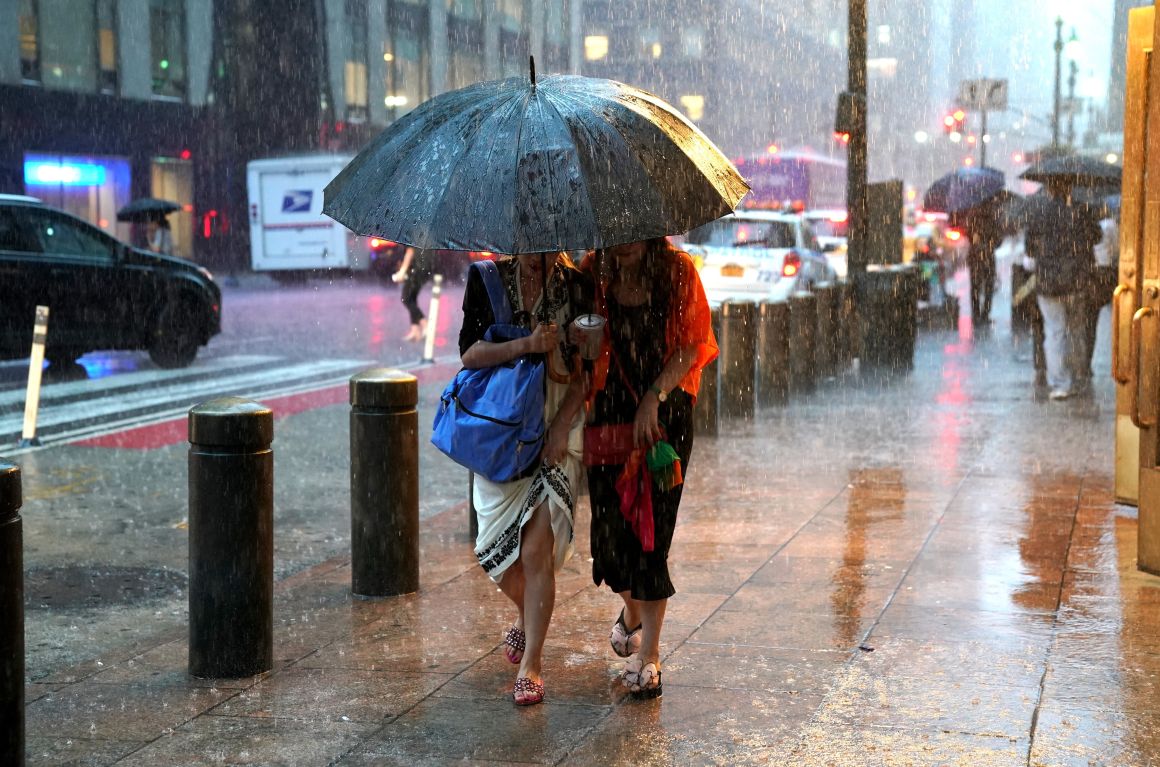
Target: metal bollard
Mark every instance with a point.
(11, 617)
(826, 348)
(737, 341)
(803, 325)
(705, 413)
(231, 538)
(772, 353)
(384, 483)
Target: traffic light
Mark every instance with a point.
(955, 122)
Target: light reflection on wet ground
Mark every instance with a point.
(923, 571)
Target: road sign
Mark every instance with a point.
(983, 95)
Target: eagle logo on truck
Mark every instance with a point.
(297, 200)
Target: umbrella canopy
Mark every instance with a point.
(516, 166)
(147, 208)
(1076, 170)
(963, 189)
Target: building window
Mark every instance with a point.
(595, 47)
(107, 45)
(407, 57)
(67, 44)
(649, 44)
(356, 62)
(694, 105)
(167, 39)
(557, 23)
(29, 42)
(472, 10)
(693, 42)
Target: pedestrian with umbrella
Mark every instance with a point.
(154, 213)
(1061, 235)
(532, 169)
(972, 198)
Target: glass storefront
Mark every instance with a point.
(92, 187)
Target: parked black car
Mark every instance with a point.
(101, 293)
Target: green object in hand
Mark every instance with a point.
(664, 465)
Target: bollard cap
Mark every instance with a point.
(732, 308)
(231, 422)
(10, 499)
(384, 388)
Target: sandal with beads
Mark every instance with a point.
(624, 642)
(515, 640)
(642, 683)
(527, 693)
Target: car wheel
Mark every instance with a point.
(175, 340)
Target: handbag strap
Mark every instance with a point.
(501, 307)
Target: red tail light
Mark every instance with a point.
(377, 244)
(954, 235)
(792, 264)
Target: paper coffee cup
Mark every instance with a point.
(591, 327)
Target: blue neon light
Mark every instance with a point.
(63, 173)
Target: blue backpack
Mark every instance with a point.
(491, 420)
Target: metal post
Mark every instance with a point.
(1058, 75)
(231, 538)
(803, 323)
(11, 618)
(432, 319)
(772, 353)
(737, 342)
(826, 348)
(857, 150)
(384, 483)
(1072, 70)
(705, 413)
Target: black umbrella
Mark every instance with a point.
(963, 189)
(516, 166)
(147, 209)
(1076, 170)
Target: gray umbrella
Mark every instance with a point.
(147, 208)
(516, 166)
(1076, 170)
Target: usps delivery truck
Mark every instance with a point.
(289, 236)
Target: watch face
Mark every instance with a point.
(662, 396)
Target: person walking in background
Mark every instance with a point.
(1106, 257)
(525, 525)
(986, 234)
(1060, 238)
(158, 235)
(645, 384)
(414, 272)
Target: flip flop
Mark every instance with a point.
(624, 642)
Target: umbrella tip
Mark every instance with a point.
(532, 66)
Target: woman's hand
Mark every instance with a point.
(646, 427)
(544, 338)
(556, 442)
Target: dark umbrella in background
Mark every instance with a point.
(147, 209)
(520, 166)
(1075, 170)
(963, 189)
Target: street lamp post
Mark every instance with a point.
(1058, 61)
(1071, 73)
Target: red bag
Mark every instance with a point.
(608, 445)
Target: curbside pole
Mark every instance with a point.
(11, 617)
(231, 539)
(28, 436)
(432, 319)
(384, 483)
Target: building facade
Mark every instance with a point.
(103, 101)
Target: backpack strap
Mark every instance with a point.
(501, 307)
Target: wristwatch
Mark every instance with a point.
(662, 395)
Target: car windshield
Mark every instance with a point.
(828, 227)
(735, 233)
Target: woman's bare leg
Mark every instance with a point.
(650, 616)
(537, 548)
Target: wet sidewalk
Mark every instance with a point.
(922, 571)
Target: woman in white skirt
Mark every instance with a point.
(525, 525)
